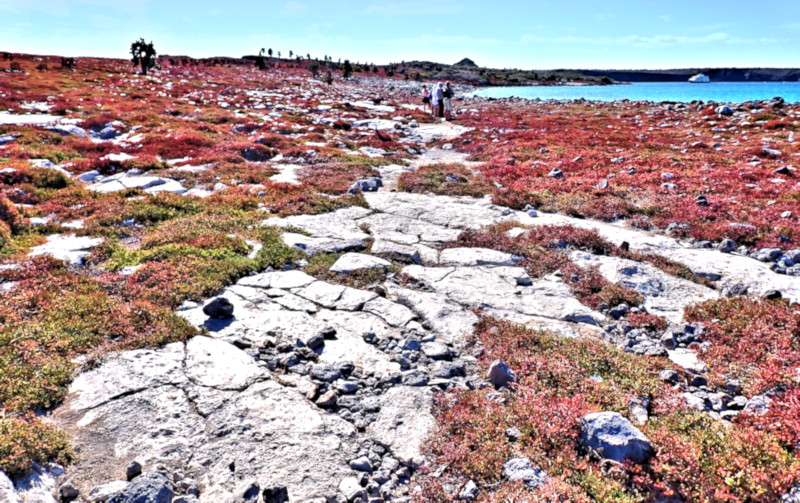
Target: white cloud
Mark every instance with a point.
(429, 39)
(795, 27)
(656, 41)
(293, 8)
(412, 7)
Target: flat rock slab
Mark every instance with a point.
(265, 431)
(70, 248)
(476, 256)
(217, 364)
(127, 373)
(350, 262)
(403, 423)
(149, 184)
(28, 119)
(449, 319)
(505, 292)
(733, 269)
(287, 173)
(665, 295)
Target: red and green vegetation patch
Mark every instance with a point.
(446, 179)
(756, 343)
(336, 177)
(558, 381)
(27, 439)
(637, 147)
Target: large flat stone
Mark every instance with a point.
(217, 364)
(403, 423)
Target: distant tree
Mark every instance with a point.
(390, 71)
(270, 52)
(308, 55)
(347, 71)
(328, 77)
(260, 62)
(314, 68)
(279, 54)
(143, 54)
(290, 54)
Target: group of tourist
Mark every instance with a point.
(440, 100)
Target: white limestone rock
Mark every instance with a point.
(350, 262)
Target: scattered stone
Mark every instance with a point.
(724, 110)
(327, 399)
(361, 464)
(133, 470)
(350, 488)
(219, 308)
(367, 185)
(613, 437)
(105, 492)
(727, 245)
(513, 434)
(500, 374)
(67, 491)
(521, 469)
(468, 492)
(152, 487)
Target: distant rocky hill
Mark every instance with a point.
(467, 62)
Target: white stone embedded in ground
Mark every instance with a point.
(350, 262)
(404, 421)
(70, 248)
(476, 257)
(149, 184)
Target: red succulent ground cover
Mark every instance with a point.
(637, 148)
(560, 380)
(186, 248)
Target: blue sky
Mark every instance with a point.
(533, 34)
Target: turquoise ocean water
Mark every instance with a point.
(723, 92)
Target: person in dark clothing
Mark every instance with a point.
(439, 99)
(448, 101)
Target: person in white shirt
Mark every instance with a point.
(436, 99)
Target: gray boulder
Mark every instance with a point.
(367, 185)
(108, 133)
(521, 469)
(152, 487)
(500, 374)
(219, 308)
(614, 437)
(724, 110)
(469, 492)
(726, 245)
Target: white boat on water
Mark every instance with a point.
(700, 78)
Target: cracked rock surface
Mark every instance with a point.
(326, 390)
